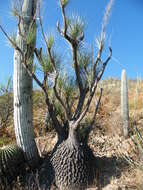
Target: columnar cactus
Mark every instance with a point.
(11, 163)
(22, 85)
(124, 103)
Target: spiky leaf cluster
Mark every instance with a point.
(85, 62)
(64, 2)
(50, 41)
(30, 36)
(46, 65)
(75, 27)
(65, 85)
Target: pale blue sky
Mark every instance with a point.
(124, 32)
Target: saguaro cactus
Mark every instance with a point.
(124, 103)
(22, 85)
(23, 88)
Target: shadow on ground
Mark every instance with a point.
(108, 168)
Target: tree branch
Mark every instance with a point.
(41, 25)
(91, 124)
(96, 109)
(55, 86)
(54, 66)
(74, 45)
(10, 40)
(92, 91)
(77, 69)
(98, 58)
(55, 121)
(79, 105)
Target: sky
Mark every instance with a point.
(124, 33)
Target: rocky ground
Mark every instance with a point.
(118, 159)
(114, 171)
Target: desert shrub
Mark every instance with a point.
(6, 103)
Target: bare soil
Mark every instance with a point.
(115, 155)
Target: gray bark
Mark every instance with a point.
(73, 164)
(22, 84)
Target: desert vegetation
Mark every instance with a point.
(119, 159)
(73, 132)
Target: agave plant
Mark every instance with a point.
(11, 163)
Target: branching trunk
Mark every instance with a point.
(71, 159)
(22, 82)
(73, 163)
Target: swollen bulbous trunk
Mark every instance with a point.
(124, 104)
(73, 164)
(22, 85)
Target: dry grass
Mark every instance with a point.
(106, 139)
